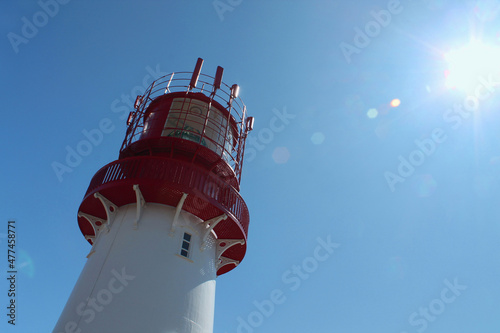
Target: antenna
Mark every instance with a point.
(250, 121)
(235, 91)
(138, 101)
(217, 79)
(196, 74)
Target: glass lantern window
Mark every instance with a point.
(186, 120)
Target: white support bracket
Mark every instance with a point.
(177, 213)
(110, 208)
(90, 238)
(224, 244)
(226, 261)
(97, 229)
(140, 204)
(93, 221)
(210, 225)
(93, 239)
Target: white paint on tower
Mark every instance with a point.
(143, 268)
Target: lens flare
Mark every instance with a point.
(281, 155)
(425, 185)
(395, 103)
(372, 113)
(318, 138)
(25, 263)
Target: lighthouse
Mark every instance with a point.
(166, 218)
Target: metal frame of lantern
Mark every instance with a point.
(208, 89)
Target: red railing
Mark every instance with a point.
(166, 173)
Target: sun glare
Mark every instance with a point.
(467, 64)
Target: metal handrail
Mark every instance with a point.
(179, 82)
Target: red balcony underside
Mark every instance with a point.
(163, 180)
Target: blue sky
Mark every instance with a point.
(428, 241)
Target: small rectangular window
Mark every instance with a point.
(185, 245)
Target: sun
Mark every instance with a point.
(468, 64)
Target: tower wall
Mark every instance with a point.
(136, 280)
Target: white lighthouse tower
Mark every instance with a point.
(166, 218)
